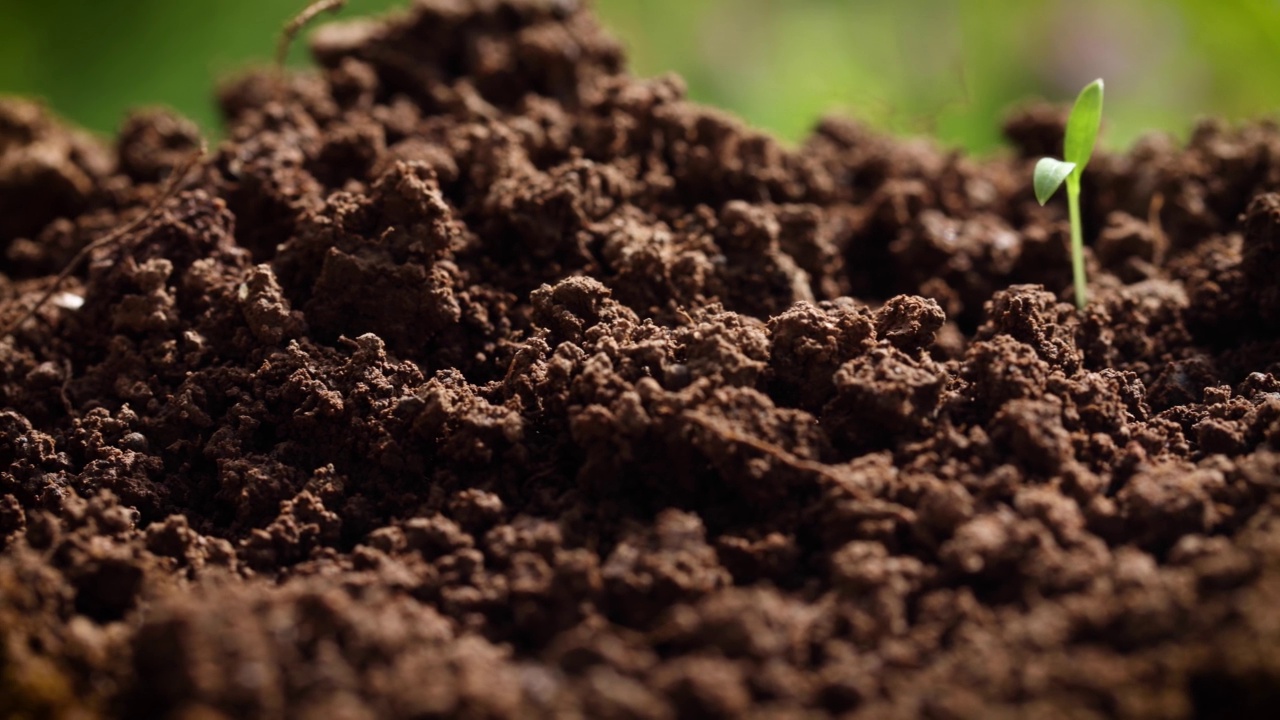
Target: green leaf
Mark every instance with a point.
(1050, 172)
(1083, 124)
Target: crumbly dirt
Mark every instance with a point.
(473, 377)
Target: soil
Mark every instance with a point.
(473, 377)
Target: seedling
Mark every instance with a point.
(1082, 132)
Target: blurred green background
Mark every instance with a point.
(948, 68)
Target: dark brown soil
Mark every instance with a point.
(472, 377)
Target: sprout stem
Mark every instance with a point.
(1077, 241)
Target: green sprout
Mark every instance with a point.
(1082, 132)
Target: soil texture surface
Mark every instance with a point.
(470, 376)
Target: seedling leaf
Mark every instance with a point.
(1050, 172)
(1083, 124)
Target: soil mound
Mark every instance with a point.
(471, 376)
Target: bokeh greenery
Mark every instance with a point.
(947, 68)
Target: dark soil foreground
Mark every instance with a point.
(472, 377)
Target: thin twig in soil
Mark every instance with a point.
(171, 188)
(63, 393)
(779, 454)
(1157, 228)
(300, 21)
